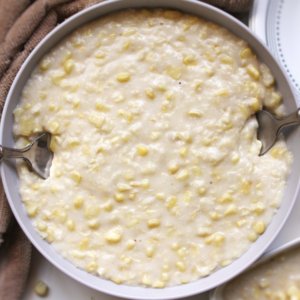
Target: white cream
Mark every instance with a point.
(278, 278)
(156, 178)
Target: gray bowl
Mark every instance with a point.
(10, 178)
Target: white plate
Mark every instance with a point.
(277, 22)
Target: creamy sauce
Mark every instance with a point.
(156, 178)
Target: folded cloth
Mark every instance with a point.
(24, 23)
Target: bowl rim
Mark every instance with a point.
(176, 291)
(216, 294)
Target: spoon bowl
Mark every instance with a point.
(269, 127)
(37, 155)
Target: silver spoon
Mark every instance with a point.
(37, 155)
(269, 127)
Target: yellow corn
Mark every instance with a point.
(152, 223)
(123, 77)
(129, 32)
(253, 72)
(174, 72)
(142, 150)
(183, 175)
(69, 66)
(171, 202)
(246, 53)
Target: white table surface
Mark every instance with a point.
(62, 287)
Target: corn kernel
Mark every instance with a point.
(100, 55)
(128, 175)
(214, 216)
(160, 196)
(127, 260)
(146, 280)
(108, 206)
(126, 45)
(259, 227)
(172, 14)
(169, 95)
(246, 53)
(201, 191)
(173, 168)
(209, 72)
(142, 150)
(203, 232)
(36, 186)
(150, 251)
(174, 72)
(26, 126)
(123, 77)
(150, 94)
(102, 107)
(158, 285)
(189, 59)
(119, 197)
(123, 187)
(71, 225)
(165, 276)
(41, 288)
(171, 202)
(67, 56)
(91, 211)
(195, 113)
(292, 291)
(93, 224)
(240, 223)
(226, 198)
(152, 223)
(92, 267)
(183, 152)
(129, 32)
(57, 78)
(32, 210)
(183, 175)
(252, 237)
(181, 252)
(76, 176)
(116, 280)
(275, 100)
(218, 239)
(133, 222)
(255, 104)
(53, 127)
(45, 64)
(181, 266)
(41, 226)
(235, 158)
(253, 72)
(175, 246)
(130, 244)
(96, 119)
(113, 236)
(78, 202)
(69, 66)
(145, 183)
(259, 208)
(18, 112)
(231, 210)
(226, 59)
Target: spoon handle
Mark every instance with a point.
(290, 120)
(9, 153)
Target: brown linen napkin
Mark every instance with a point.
(24, 23)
